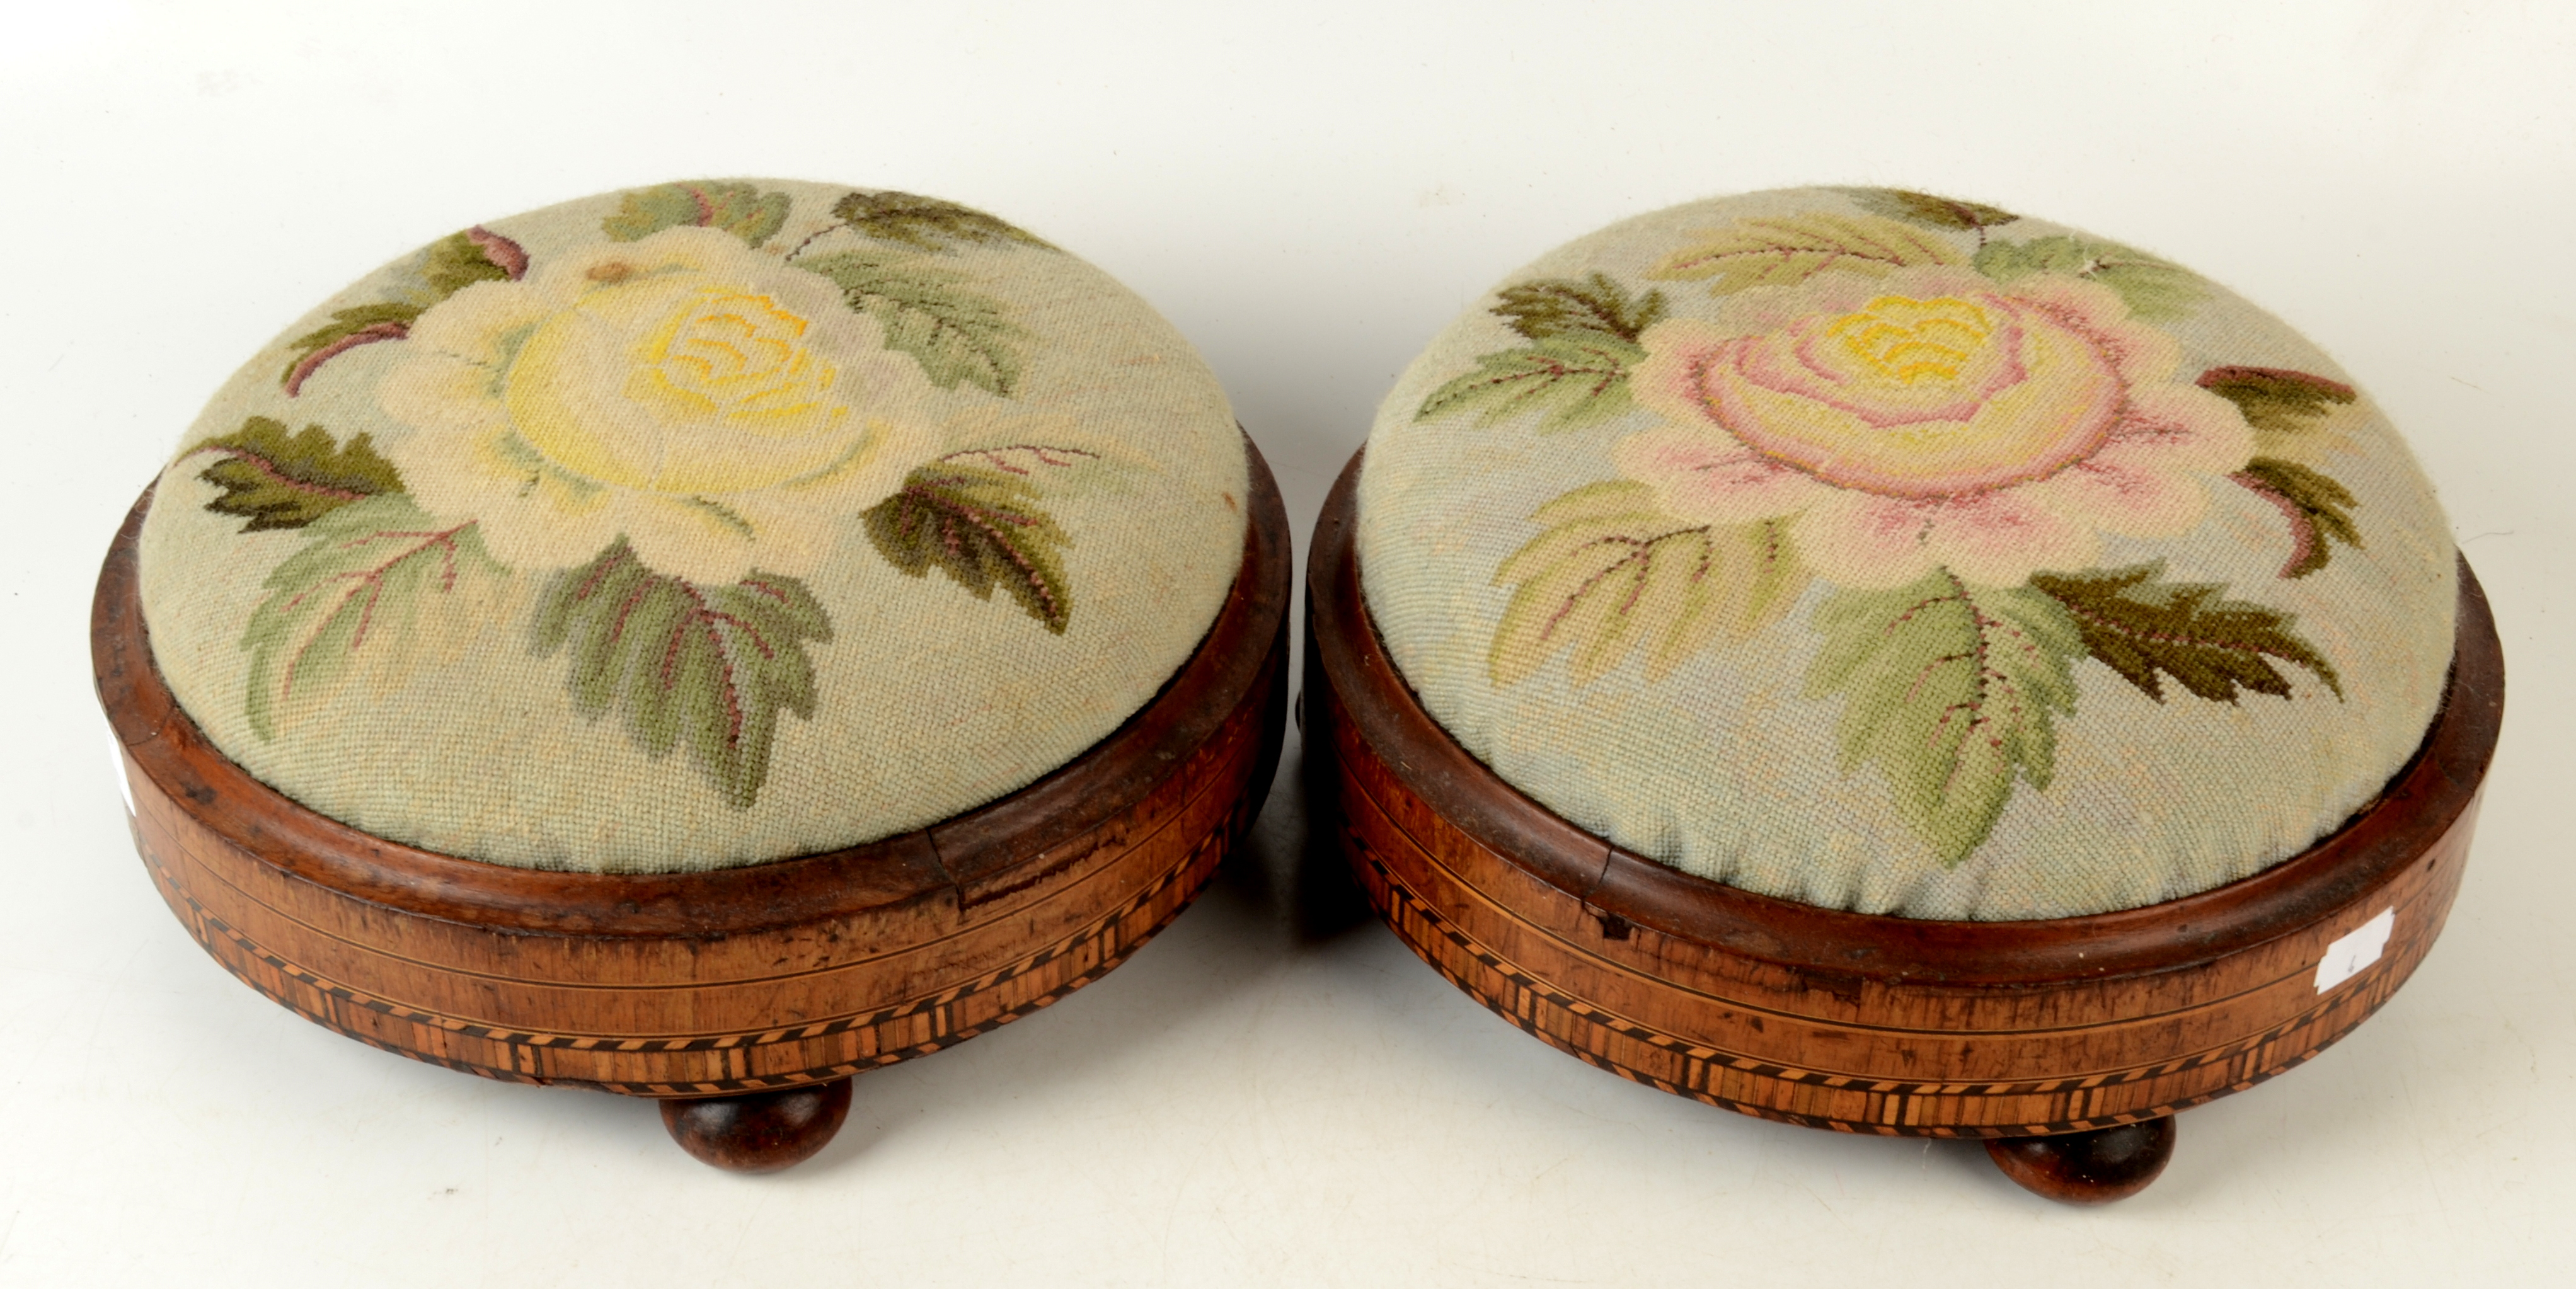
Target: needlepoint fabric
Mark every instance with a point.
(694, 526)
(1904, 555)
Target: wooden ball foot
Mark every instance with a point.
(759, 1132)
(2094, 1167)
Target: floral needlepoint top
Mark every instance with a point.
(614, 535)
(1803, 540)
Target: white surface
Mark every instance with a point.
(2352, 954)
(1260, 1096)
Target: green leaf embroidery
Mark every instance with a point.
(277, 480)
(2138, 625)
(377, 591)
(449, 265)
(926, 223)
(2289, 410)
(349, 328)
(2290, 413)
(1930, 211)
(1594, 307)
(2318, 508)
(460, 260)
(1952, 692)
(1575, 379)
(982, 526)
(710, 666)
(1788, 249)
(2154, 289)
(955, 334)
(1612, 573)
(739, 209)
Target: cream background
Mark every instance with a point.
(929, 702)
(1725, 769)
(1268, 1094)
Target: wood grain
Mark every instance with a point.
(759, 1132)
(1862, 1023)
(2094, 1167)
(696, 984)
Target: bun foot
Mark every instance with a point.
(2094, 1167)
(759, 1132)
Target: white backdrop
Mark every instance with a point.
(1263, 1095)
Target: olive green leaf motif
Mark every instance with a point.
(975, 516)
(1612, 574)
(926, 223)
(706, 666)
(2290, 412)
(737, 208)
(1784, 250)
(957, 335)
(1952, 692)
(278, 480)
(1595, 306)
(1571, 383)
(378, 590)
(1573, 373)
(1931, 211)
(2318, 509)
(459, 260)
(2140, 625)
(447, 266)
(2154, 289)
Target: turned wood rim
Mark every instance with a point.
(2420, 804)
(998, 847)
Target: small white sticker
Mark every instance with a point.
(116, 753)
(2346, 958)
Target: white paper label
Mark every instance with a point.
(116, 753)
(2346, 958)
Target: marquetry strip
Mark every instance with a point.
(1529, 1003)
(324, 1001)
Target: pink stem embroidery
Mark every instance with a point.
(705, 617)
(1043, 454)
(504, 253)
(364, 336)
(2303, 527)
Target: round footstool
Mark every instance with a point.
(700, 642)
(1881, 663)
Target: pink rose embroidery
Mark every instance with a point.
(1943, 437)
(1930, 418)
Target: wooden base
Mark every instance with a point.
(742, 981)
(1856, 1023)
(2094, 1167)
(759, 1132)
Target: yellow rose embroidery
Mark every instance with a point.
(720, 410)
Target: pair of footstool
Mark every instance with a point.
(1853, 657)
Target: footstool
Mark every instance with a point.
(700, 642)
(1883, 663)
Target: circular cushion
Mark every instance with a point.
(694, 526)
(1903, 555)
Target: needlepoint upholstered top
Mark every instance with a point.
(694, 526)
(1907, 556)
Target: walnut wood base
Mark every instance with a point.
(743, 981)
(2094, 1167)
(759, 1132)
(1857, 1023)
